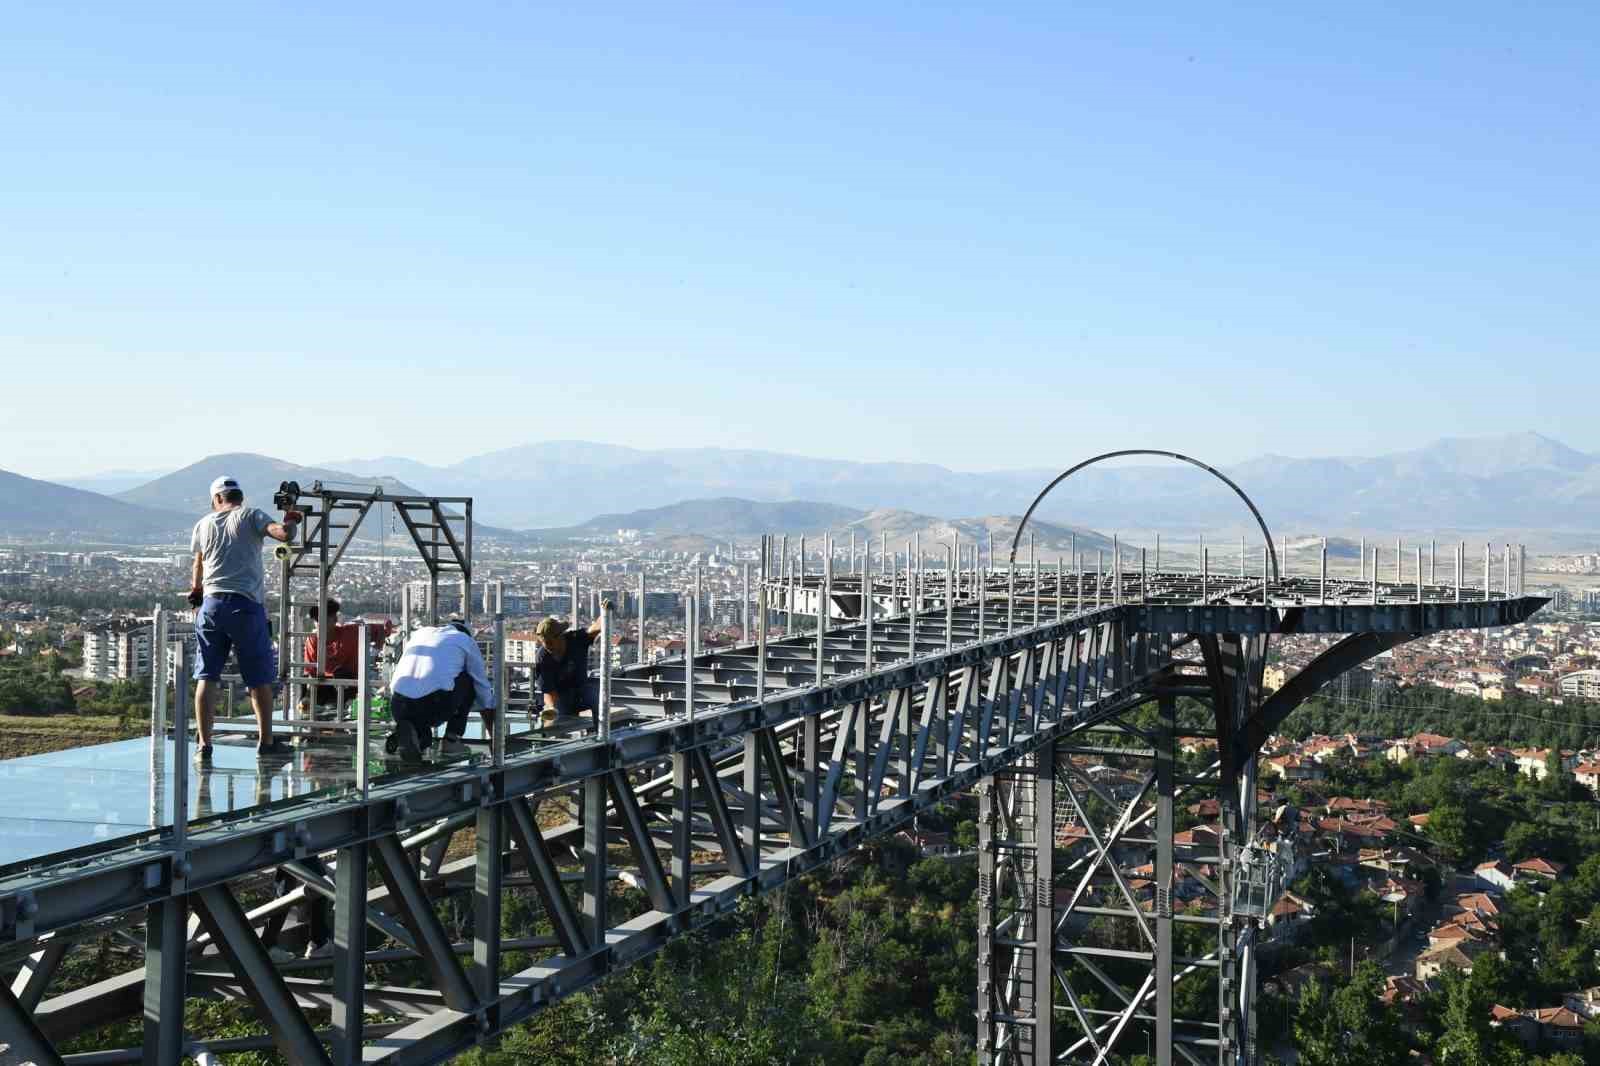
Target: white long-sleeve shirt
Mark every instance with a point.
(434, 658)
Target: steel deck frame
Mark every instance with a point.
(790, 754)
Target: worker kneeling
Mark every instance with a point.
(438, 677)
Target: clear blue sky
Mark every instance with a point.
(922, 231)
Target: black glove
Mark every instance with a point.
(196, 597)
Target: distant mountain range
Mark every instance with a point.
(38, 508)
(1486, 485)
(1523, 481)
(730, 517)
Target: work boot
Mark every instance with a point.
(405, 742)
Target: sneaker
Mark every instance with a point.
(453, 746)
(202, 754)
(277, 954)
(319, 951)
(547, 718)
(274, 749)
(405, 742)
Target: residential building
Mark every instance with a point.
(117, 653)
(1583, 684)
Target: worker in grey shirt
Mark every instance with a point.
(228, 591)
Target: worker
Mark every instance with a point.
(438, 676)
(228, 590)
(344, 650)
(561, 667)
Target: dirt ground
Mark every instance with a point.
(34, 734)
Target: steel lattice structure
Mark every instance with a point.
(774, 757)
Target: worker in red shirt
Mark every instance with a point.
(344, 647)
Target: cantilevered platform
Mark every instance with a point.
(774, 757)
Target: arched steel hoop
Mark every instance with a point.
(1272, 549)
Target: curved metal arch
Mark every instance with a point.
(1272, 548)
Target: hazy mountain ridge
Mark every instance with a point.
(30, 506)
(1521, 481)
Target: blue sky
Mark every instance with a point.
(986, 238)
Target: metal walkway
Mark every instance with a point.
(769, 759)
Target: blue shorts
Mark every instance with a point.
(227, 622)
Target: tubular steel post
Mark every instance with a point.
(1116, 569)
(950, 602)
(1158, 553)
(1205, 572)
(502, 690)
(364, 702)
(761, 642)
(1011, 597)
(913, 594)
(604, 710)
(1144, 579)
(869, 603)
(1363, 559)
(1061, 589)
(699, 602)
(573, 621)
(1461, 556)
(691, 627)
(1522, 569)
(786, 575)
(1079, 566)
(1505, 584)
(1099, 574)
(822, 616)
(1419, 573)
(180, 752)
(158, 714)
(405, 612)
(1487, 573)
(639, 654)
(1033, 565)
(746, 604)
(983, 603)
(1322, 580)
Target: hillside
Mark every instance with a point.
(187, 490)
(32, 507)
(260, 475)
(726, 516)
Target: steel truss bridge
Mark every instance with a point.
(745, 768)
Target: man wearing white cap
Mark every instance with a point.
(229, 590)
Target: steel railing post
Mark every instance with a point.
(364, 705)
(691, 628)
(1322, 579)
(502, 692)
(180, 752)
(604, 710)
(761, 642)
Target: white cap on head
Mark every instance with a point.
(223, 484)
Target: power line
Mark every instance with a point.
(1593, 726)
